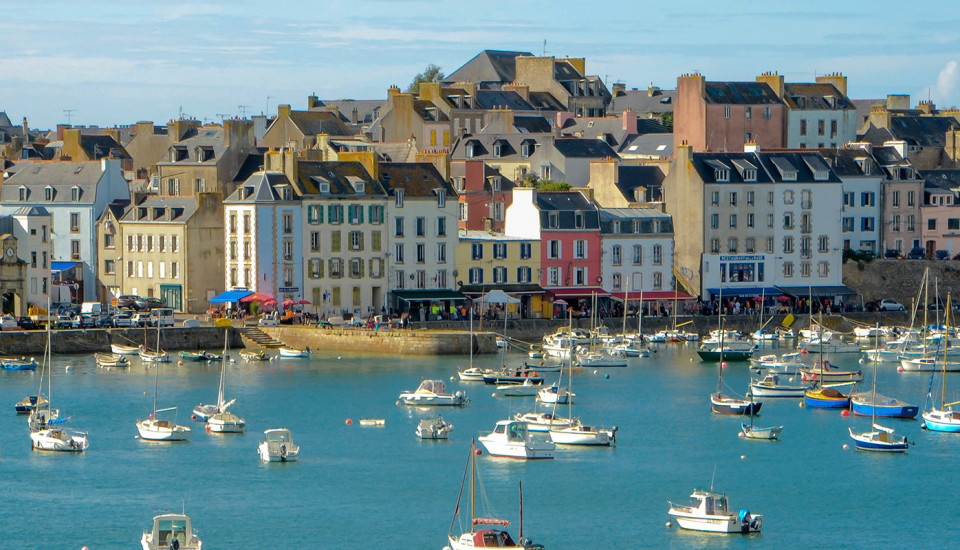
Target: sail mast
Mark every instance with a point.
(626, 297)
(156, 388)
(471, 335)
(720, 327)
(946, 327)
(521, 510)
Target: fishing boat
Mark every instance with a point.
(827, 396)
(294, 352)
(111, 360)
(511, 439)
(709, 511)
(594, 359)
(29, 403)
(278, 446)
(728, 351)
(630, 348)
(944, 418)
(433, 428)
(171, 531)
(527, 389)
(544, 421)
(155, 429)
(148, 356)
(770, 386)
(254, 355)
(433, 393)
(22, 363)
(750, 431)
(120, 349)
(515, 376)
(483, 532)
(199, 356)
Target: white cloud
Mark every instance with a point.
(945, 91)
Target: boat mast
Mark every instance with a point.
(521, 510)
(720, 327)
(626, 297)
(471, 335)
(876, 344)
(223, 368)
(156, 388)
(640, 313)
(926, 286)
(946, 326)
(473, 484)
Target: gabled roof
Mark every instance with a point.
(260, 188)
(851, 162)
(428, 111)
(253, 163)
(366, 109)
(644, 101)
(947, 180)
(531, 124)
(5, 120)
(630, 178)
(566, 204)
(490, 67)
(815, 96)
(208, 137)
(660, 145)
(312, 123)
(583, 148)
(740, 93)
(160, 209)
(61, 176)
(417, 179)
(502, 99)
(100, 146)
(339, 177)
(31, 211)
(544, 101)
(483, 145)
(920, 131)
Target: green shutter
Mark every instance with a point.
(317, 296)
(335, 241)
(361, 269)
(361, 241)
(373, 218)
(375, 241)
(319, 213)
(360, 212)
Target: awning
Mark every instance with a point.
(509, 288)
(745, 292)
(818, 291)
(660, 295)
(57, 267)
(427, 295)
(584, 292)
(230, 296)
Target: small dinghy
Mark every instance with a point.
(434, 428)
(111, 360)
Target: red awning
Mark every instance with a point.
(667, 295)
(581, 292)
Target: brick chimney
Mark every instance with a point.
(313, 102)
(898, 102)
(629, 122)
(837, 79)
(774, 80)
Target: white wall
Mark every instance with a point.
(523, 216)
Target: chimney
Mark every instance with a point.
(899, 145)
(562, 118)
(684, 155)
(313, 102)
(283, 111)
(837, 79)
(751, 147)
(898, 102)
(774, 80)
(653, 90)
(393, 90)
(60, 129)
(619, 89)
(629, 122)
(927, 106)
(498, 121)
(26, 130)
(522, 89)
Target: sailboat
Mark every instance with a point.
(761, 334)
(725, 404)
(581, 434)
(872, 404)
(471, 373)
(484, 532)
(157, 356)
(154, 429)
(719, 349)
(555, 393)
(41, 415)
(224, 421)
(880, 438)
(756, 432)
(944, 419)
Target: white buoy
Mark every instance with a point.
(339, 357)
(669, 524)
(742, 456)
(452, 378)
(67, 367)
(494, 394)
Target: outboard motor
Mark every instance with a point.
(745, 518)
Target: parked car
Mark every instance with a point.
(66, 321)
(141, 320)
(27, 323)
(890, 305)
(917, 253)
(892, 254)
(162, 317)
(128, 300)
(146, 304)
(104, 321)
(9, 322)
(86, 321)
(942, 255)
(123, 320)
(936, 305)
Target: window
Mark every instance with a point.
(616, 254)
(788, 269)
(714, 221)
(398, 253)
(788, 245)
(911, 198)
(314, 214)
(770, 220)
(750, 220)
(580, 276)
(199, 185)
(476, 251)
(953, 224)
(376, 214)
(824, 243)
(399, 197)
(803, 127)
(74, 222)
(788, 197)
(356, 240)
(356, 268)
(246, 224)
(476, 275)
(399, 226)
(733, 221)
(617, 281)
(75, 250)
(523, 274)
(288, 250)
(398, 278)
(932, 224)
(500, 274)
(421, 253)
(336, 268)
(580, 249)
(715, 198)
(442, 226)
(355, 214)
(749, 245)
(108, 267)
(820, 127)
(316, 268)
(747, 112)
(770, 245)
(23, 193)
(233, 276)
(848, 224)
(553, 250)
(766, 112)
(108, 240)
(657, 254)
(866, 224)
(525, 251)
(132, 273)
(637, 254)
(464, 211)
(314, 241)
(553, 220)
(657, 280)
(823, 269)
(750, 194)
(499, 251)
(335, 213)
(578, 220)
(788, 221)
(421, 226)
(441, 253)
(173, 186)
(162, 243)
(732, 245)
(867, 199)
(895, 198)
(726, 111)
(421, 278)
(805, 269)
(149, 243)
(910, 222)
(833, 128)
(715, 246)
(246, 250)
(441, 198)
(553, 276)
(233, 250)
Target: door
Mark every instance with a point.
(172, 296)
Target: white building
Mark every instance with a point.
(263, 237)
(30, 225)
(861, 223)
(75, 194)
(819, 114)
(637, 251)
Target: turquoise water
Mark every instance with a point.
(360, 487)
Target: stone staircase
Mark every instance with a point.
(255, 336)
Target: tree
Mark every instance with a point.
(667, 120)
(431, 73)
(533, 180)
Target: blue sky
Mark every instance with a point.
(119, 62)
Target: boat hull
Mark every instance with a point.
(293, 353)
(532, 450)
(760, 390)
(725, 355)
(722, 404)
(159, 432)
(942, 421)
(816, 400)
(278, 453)
(866, 408)
(870, 442)
(58, 441)
(755, 432)
(577, 436)
(120, 349)
(713, 524)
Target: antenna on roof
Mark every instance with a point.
(268, 105)
(544, 47)
(222, 116)
(243, 110)
(69, 114)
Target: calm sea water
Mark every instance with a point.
(359, 487)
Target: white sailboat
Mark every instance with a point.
(220, 420)
(156, 356)
(155, 429)
(471, 373)
(42, 416)
(944, 418)
(581, 434)
(879, 438)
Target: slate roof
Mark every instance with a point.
(367, 109)
(483, 146)
(863, 108)
(850, 162)
(264, 188)
(770, 167)
(340, 176)
(815, 96)
(544, 101)
(502, 99)
(566, 204)
(740, 93)
(626, 216)
(62, 176)
(312, 123)
(211, 137)
(100, 146)
(947, 180)
(253, 163)
(629, 178)
(648, 144)
(920, 131)
(490, 68)
(5, 120)
(583, 148)
(161, 209)
(640, 102)
(428, 111)
(417, 179)
(31, 211)
(531, 124)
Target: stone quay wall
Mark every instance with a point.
(32, 342)
(392, 341)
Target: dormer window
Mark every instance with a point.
(459, 184)
(178, 153)
(441, 197)
(23, 193)
(788, 172)
(141, 212)
(399, 197)
(527, 148)
(247, 191)
(324, 187)
(358, 187)
(553, 220)
(470, 150)
(48, 193)
(497, 149)
(158, 212)
(721, 172)
(578, 220)
(75, 193)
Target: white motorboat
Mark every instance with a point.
(527, 389)
(120, 349)
(148, 356)
(278, 446)
(928, 364)
(202, 412)
(555, 394)
(598, 360)
(764, 336)
(472, 374)
(869, 332)
(630, 348)
(254, 355)
(60, 440)
(558, 346)
(544, 422)
(171, 531)
(510, 438)
(770, 386)
(583, 435)
(709, 511)
(225, 421)
(111, 360)
(434, 428)
(294, 352)
(432, 393)
(756, 432)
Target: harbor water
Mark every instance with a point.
(370, 487)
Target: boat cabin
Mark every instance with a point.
(512, 430)
(493, 538)
(278, 436)
(170, 527)
(432, 386)
(709, 503)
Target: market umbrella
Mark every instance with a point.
(303, 302)
(288, 303)
(257, 297)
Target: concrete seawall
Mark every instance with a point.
(32, 342)
(393, 342)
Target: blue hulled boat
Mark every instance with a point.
(881, 439)
(874, 404)
(19, 364)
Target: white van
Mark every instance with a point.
(161, 317)
(91, 308)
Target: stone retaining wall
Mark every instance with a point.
(404, 342)
(32, 342)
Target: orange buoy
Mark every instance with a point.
(845, 412)
(723, 365)
(478, 452)
(803, 351)
(348, 422)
